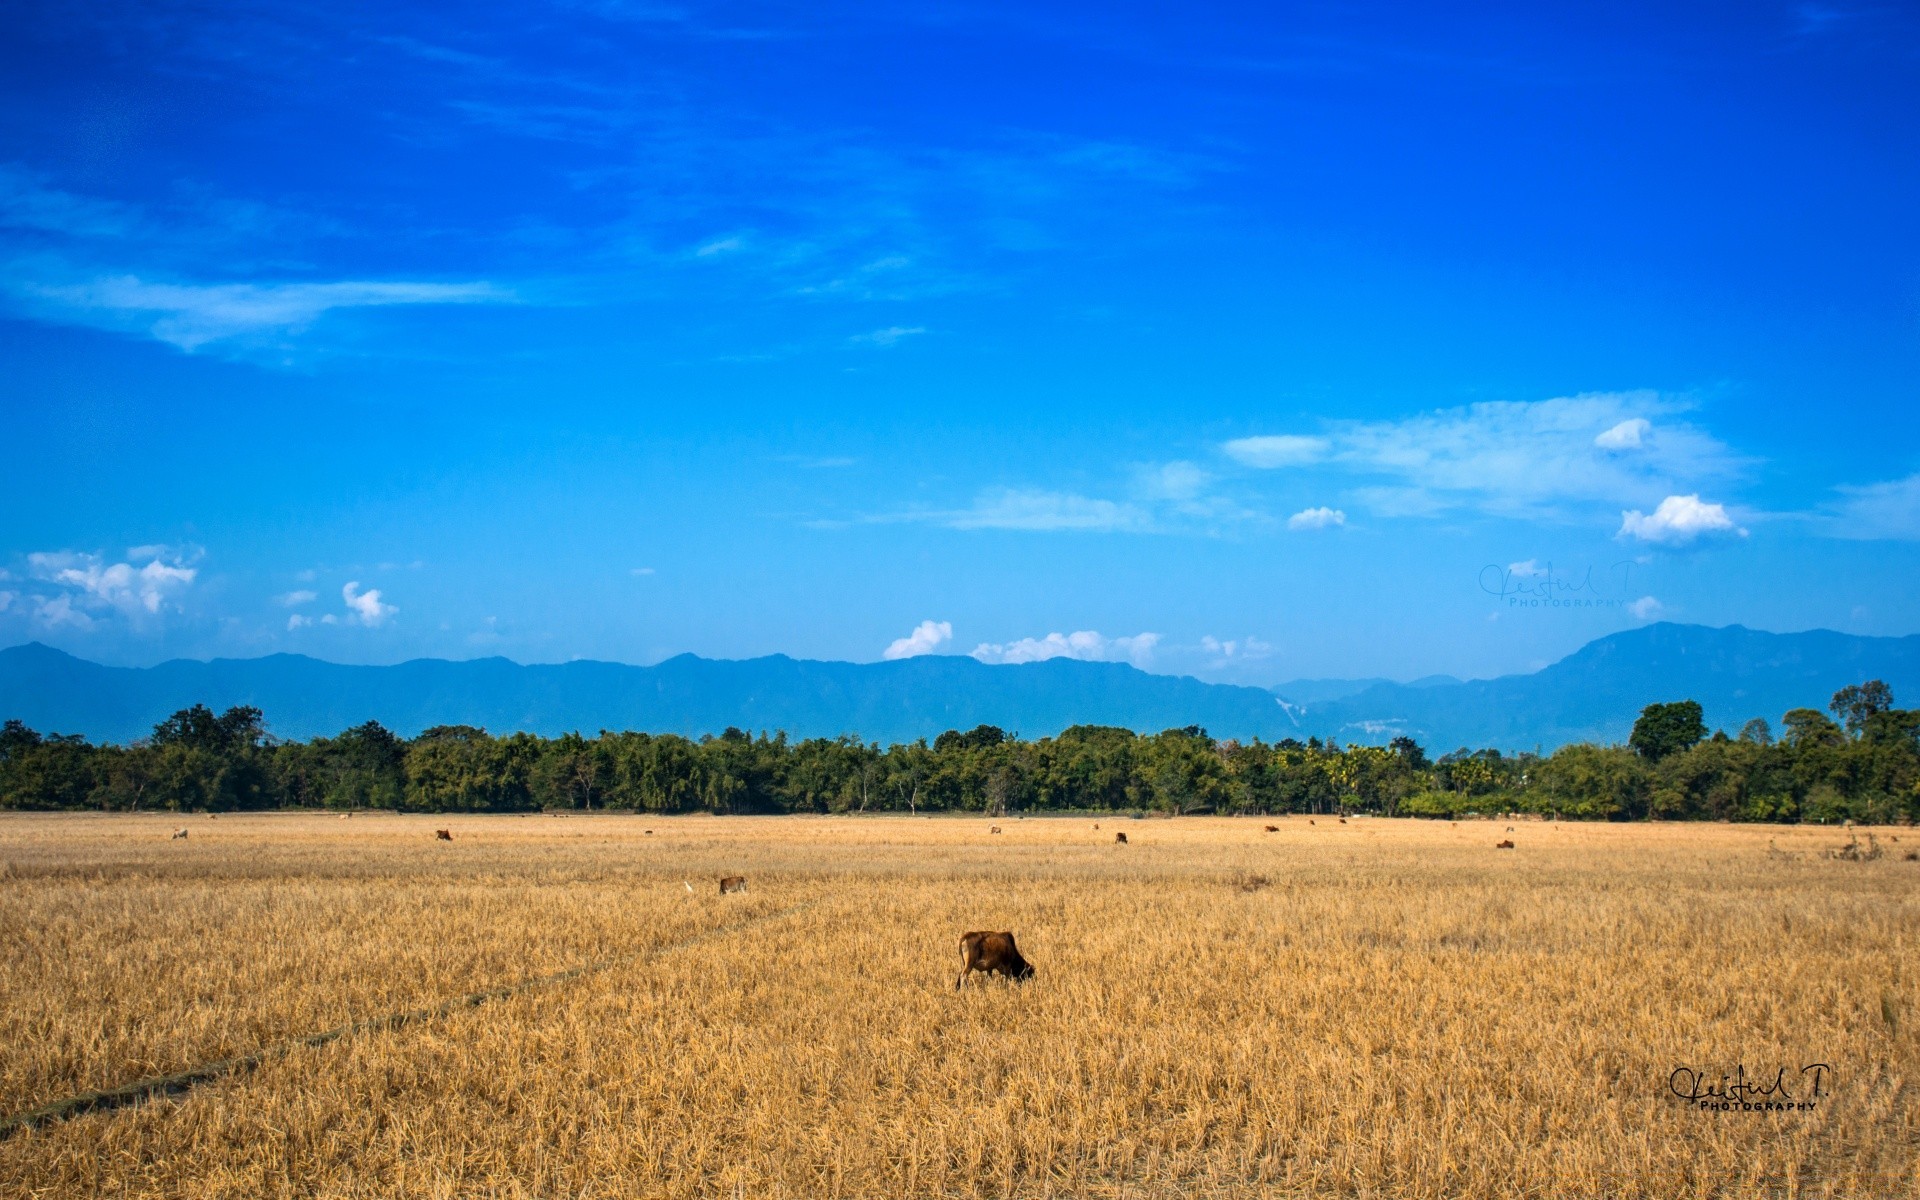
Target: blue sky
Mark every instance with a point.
(1253, 342)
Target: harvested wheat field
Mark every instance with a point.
(1376, 1008)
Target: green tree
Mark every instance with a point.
(1665, 729)
(1857, 703)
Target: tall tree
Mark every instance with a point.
(1664, 729)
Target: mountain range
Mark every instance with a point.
(1591, 695)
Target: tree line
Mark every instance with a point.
(1858, 761)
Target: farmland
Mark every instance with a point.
(1368, 1008)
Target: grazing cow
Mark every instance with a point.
(1309, 820)
(733, 883)
(649, 833)
(991, 953)
(995, 829)
(1096, 824)
(179, 833)
(1506, 844)
(1509, 829)
(1273, 829)
(1121, 837)
(444, 835)
(1343, 820)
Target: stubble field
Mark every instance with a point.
(1376, 1008)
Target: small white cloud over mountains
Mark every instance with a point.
(926, 637)
(1086, 645)
(365, 608)
(1678, 521)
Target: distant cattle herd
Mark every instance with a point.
(989, 953)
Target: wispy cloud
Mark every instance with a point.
(192, 315)
(1276, 450)
(1086, 644)
(890, 336)
(926, 637)
(1040, 511)
(1875, 511)
(1512, 458)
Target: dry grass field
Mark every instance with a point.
(1378, 1008)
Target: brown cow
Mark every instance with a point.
(991, 953)
(733, 883)
(1273, 829)
(1504, 845)
(995, 829)
(1121, 837)
(444, 835)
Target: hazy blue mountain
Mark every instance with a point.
(1594, 693)
(1321, 691)
(889, 701)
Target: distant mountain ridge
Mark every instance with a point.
(1593, 694)
(887, 701)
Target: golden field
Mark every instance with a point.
(1380, 1008)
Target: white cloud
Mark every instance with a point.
(926, 637)
(1678, 520)
(1316, 518)
(1645, 608)
(725, 245)
(295, 599)
(7, 599)
(638, 571)
(1241, 649)
(1086, 645)
(365, 607)
(96, 584)
(297, 620)
(1276, 450)
(1627, 435)
(889, 336)
(191, 315)
(1011, 508)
